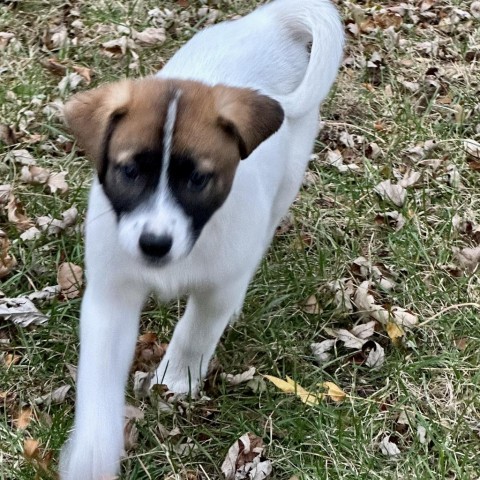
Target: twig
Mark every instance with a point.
(446, 309)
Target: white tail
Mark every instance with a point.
(318, 21)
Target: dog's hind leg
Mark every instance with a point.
(108, 331)
(194, 340)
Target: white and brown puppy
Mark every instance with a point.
(195, 168)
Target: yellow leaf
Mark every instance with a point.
(334, 392)
(290, 386)
(395, 332)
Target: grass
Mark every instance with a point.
(431, 375)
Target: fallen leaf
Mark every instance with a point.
(150, 36)
(16, 214)
(23, 157)
(30, 448)
(394, 193)
(34, 175)
(7, 135)
(244, 460)
(290, 386)
(130, 431)
(5, 192)
(70, 279)
(422, 434)
(468, 258)
(321, 350)
(85, 72)
(343, 290)
(239, 378)
(54, 66)
(394, 331)
(311, 305)
(7, 261)
(56, 181)
(334, 392)
(141, 384)
(10, 359)
(24, 418)
(55, 397)
(21, 311)
(118, 47)
(70, 82)
(410, 178)
(472, 148)
(5, 39)
(376, 356)
(389, 448)
(394, 219)
(31, 234)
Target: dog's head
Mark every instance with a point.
(166, 152)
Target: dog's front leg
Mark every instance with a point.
(108, 331)
(197, 334)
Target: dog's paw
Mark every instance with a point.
(178, 379)
(83, 459)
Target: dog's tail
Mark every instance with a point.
(319, 23)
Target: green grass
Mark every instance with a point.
(427, 376)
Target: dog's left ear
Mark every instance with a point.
(249, 117)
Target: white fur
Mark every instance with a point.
(265, 50)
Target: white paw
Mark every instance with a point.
(178, 377)
(84, 459)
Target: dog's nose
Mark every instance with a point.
(155, 245)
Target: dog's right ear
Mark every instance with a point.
(90, 115)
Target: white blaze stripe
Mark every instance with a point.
(168, 138)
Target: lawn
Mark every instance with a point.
(386, 229)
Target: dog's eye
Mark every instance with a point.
(198, 181)
(130, 172)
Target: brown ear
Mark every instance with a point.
(90, 115)
(247, 116)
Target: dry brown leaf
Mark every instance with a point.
(130, 431)
(23, 157)
(240, 377)
(5, 39)
(24, 418)
(31, 234)
(54, 66)
(7, 261)
(7, 135)
(468, 258)
(21, 311)
(148, 352)
(118, 47)
(150, 36)
(321, 351)
(5, 192)
(311, 305)
(16, 214)
(394, 219)
(244, 460)
(70, 279)
(34, 175)
(343, 290)
(376, 356)
(85, 72)
(56, 181)
(57, 396)
(394, 193)
(11, 359)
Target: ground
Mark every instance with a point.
(405, 109)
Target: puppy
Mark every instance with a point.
(195, 168)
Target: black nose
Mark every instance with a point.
(155, 245)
